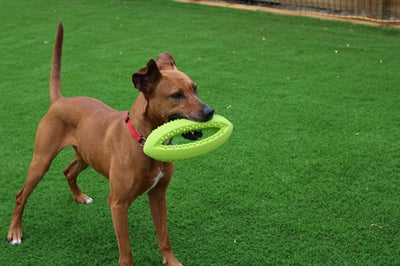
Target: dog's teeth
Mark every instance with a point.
(88, 201)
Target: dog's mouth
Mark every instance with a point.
(173, 117)
(207, 114)
(192, 135)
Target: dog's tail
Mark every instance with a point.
(55, 77)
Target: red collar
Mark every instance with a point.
(136, 135)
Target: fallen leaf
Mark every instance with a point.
(377, 225)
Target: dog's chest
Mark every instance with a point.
(155, 182)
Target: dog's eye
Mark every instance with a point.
(195, 90)
(178, 96)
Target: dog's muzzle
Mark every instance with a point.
(207, 114)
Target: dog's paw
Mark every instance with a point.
(83, 199)
(88, 201)
(171, 262)
(14, 241)
(167, 264)
(14, 236)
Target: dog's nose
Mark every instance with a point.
(208, 113)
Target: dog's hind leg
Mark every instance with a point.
(71, 172)
(45, 151)
(37, 169)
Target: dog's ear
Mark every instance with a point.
(147, 78)
(165, 61)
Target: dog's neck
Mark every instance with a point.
(139, 117)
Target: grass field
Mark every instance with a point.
(310, 175)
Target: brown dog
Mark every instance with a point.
(109, 141)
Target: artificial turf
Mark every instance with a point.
(310, 175)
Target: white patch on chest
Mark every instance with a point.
(156, 179)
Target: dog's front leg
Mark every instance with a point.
(119, 212)
(158, 208)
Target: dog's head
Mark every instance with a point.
(170, 93)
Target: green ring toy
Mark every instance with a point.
(155, 148)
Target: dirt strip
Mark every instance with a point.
(352, 19)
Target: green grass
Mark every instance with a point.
(310, 175)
